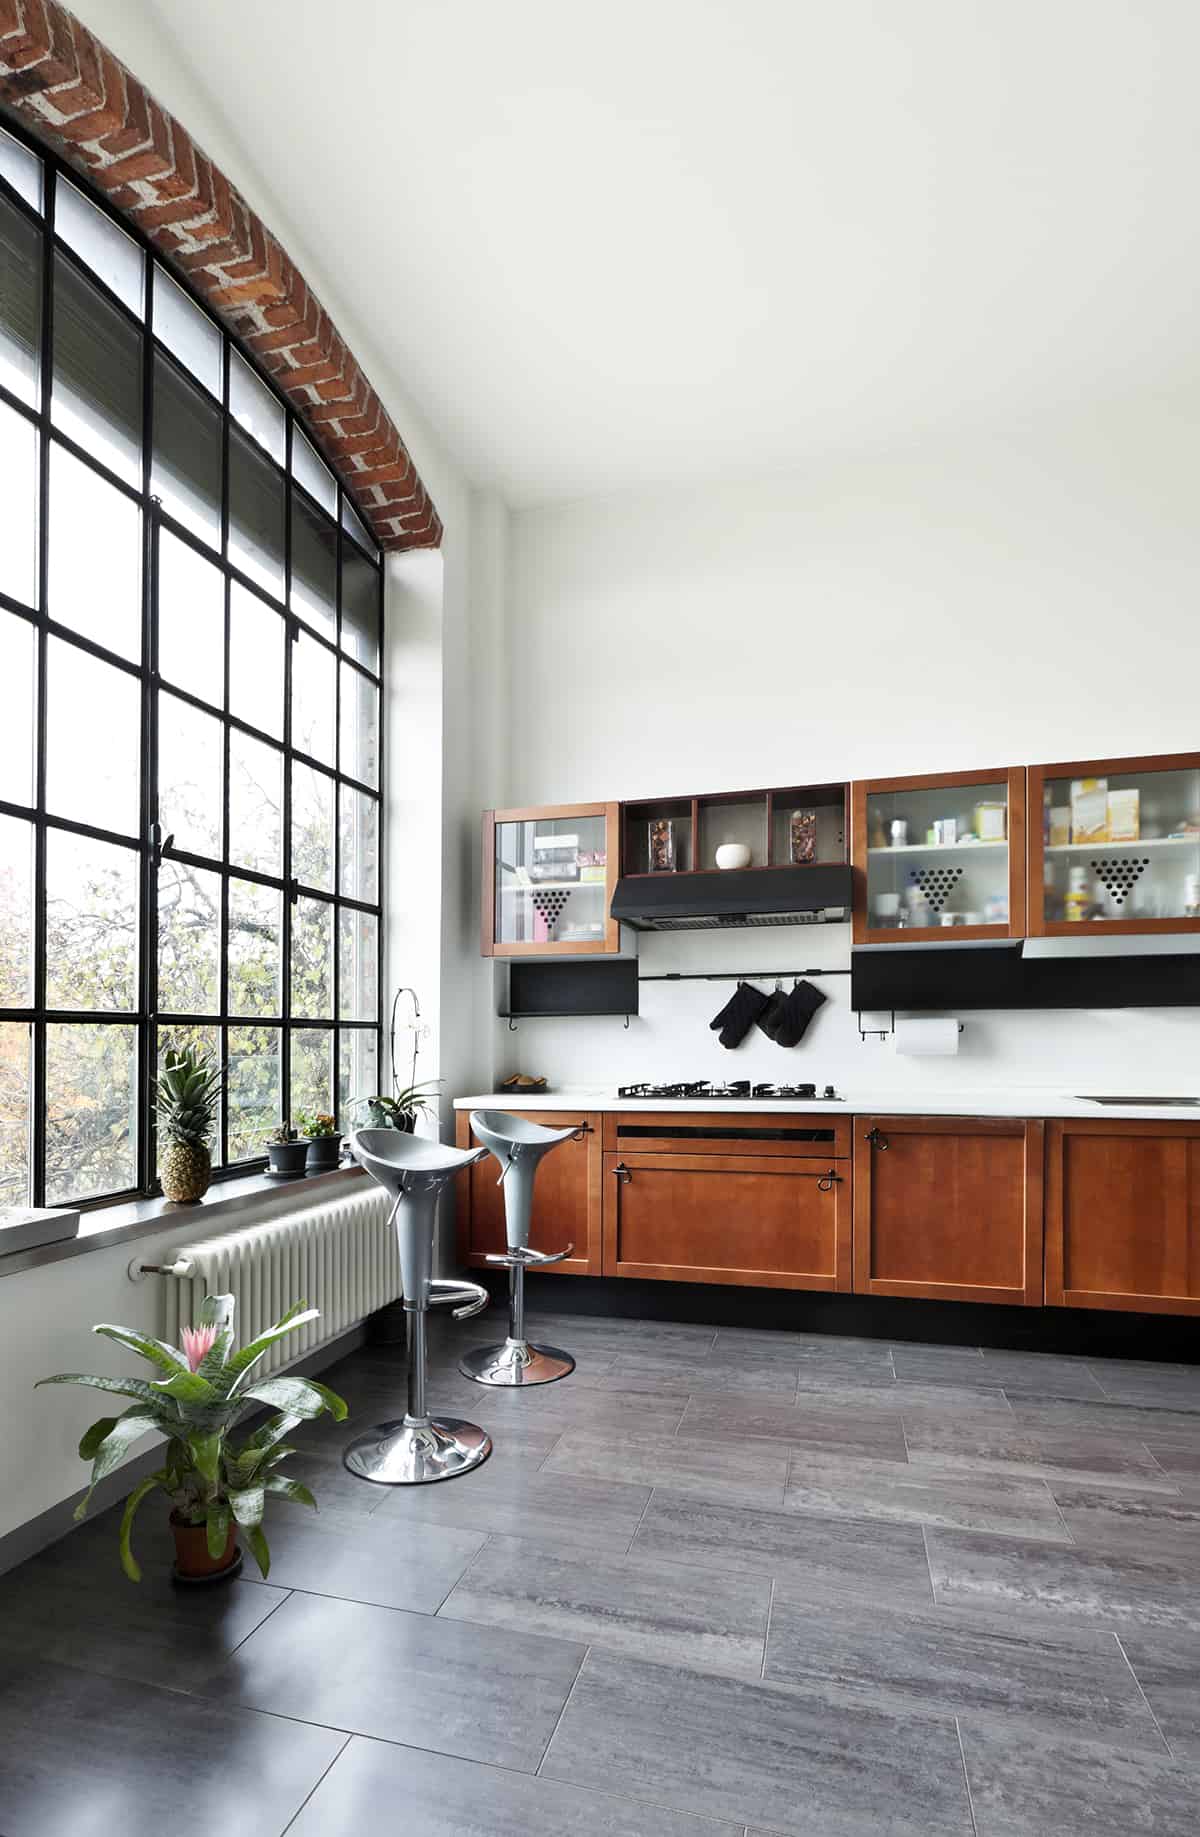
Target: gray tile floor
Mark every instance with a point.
(717, 1582)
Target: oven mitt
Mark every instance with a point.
(738, 1015)
(785, 1017)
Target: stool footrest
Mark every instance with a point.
(443, 1290)
(528, 1259)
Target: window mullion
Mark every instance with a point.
(147, 1156)
(289, 883)
(223, 946)
(37, 1095)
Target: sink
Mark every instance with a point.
(1178, 1102)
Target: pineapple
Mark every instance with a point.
(186, 1097)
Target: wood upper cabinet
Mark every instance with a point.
(939, 857)
(948, 1208)
(566, 1197)
(757, 1201)
(548, 877)
(1114, 846)
(1123, 1216)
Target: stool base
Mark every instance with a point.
(414, 1454)
(516, 1362)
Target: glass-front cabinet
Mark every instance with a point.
(1114, 846)
(548, 879)
(939, 858)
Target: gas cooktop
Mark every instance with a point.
(740, 1088)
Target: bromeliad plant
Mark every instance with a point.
(206, 1390)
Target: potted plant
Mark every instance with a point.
(215, 1489)
(285, 1154)
(402, 1110)
(324, 1141)
(187, 1093)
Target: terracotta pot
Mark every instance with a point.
(192, 1561)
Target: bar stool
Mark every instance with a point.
(418, 1449)
(518, 1145)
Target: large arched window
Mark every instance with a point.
(191, 630)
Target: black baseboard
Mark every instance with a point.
(1168, 1337)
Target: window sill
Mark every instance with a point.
(224, 1204)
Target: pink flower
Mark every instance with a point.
(198, 1342)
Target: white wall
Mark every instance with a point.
(1018, 600)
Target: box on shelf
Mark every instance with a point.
(991, 822)
(1123, 815)
(1089, 810)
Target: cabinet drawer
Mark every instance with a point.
(717, 1132)
(769, 1221)
(566, 1197)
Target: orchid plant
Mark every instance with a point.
(206, 1390)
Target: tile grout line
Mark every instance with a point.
(487, 1538)
(962, 1755)
(929, 1565)
(537, 1772)
(1142, 1694)
(641, 1521)
(767, 1635)
(300, 1809)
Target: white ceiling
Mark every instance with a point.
(690, 239)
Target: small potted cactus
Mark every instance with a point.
(285, 1154)
(187, 1094)
(324, 1141)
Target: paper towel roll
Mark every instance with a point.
(927, 1039)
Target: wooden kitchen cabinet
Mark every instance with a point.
(1123, 1215)
(948, 1208)
(566, 1197)
(752, 1200)
(939, 858)
(548, 877)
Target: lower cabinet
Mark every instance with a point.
(1123, 1216)
(757, 1201)
(948, 1208)
(566, 1198)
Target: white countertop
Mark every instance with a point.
(1010, 1100)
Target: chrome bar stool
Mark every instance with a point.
(518, 1145)
(420, 1448)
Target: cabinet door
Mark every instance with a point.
(939, 858)
(566, 1198)
(948, 1208)
(751, 1220)
(1123, 1216)
(548, 879)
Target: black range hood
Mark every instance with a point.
(733, 900)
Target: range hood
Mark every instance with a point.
(737, 899)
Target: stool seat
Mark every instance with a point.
(518, 1145)
(418, 1449)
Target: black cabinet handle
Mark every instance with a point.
(622, 1172)
(582, 1129)
(876, 1138)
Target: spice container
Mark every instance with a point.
(802, 837)
(662, 845)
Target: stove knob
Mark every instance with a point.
(829, 1091)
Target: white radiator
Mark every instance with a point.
(339, 1257)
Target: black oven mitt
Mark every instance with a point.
(785, 1018)
(738, 1015)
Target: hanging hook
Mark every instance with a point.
(512, 1025)
(627, 1023)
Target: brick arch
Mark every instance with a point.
(68, 89)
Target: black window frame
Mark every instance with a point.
(151, 846)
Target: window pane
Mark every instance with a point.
(97, 396)
(187, 331)
(20, 301)
(255, 948)
(360, 608)
(14, 1113)
(313, 698)
(312, 1081)
(189, 939)
(360, 727)
(312, 960)
(358, 965)
(186, 473)
(95, 583)
(358, 1073)
(18, 506)
(90, 783)
(17, 652)
(354, 524)
(256, 639)
(16, 913)
(254, 407)
(22, 169)
(189, 777)
(312, 828)
(314, 567)
(91, 1086)
(255, 515)
(358, 839)
(91, 923)
(182, 1038)
(254, 1090)
(191, 620)
(255, 804)
(96, 239)
(312, 472)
